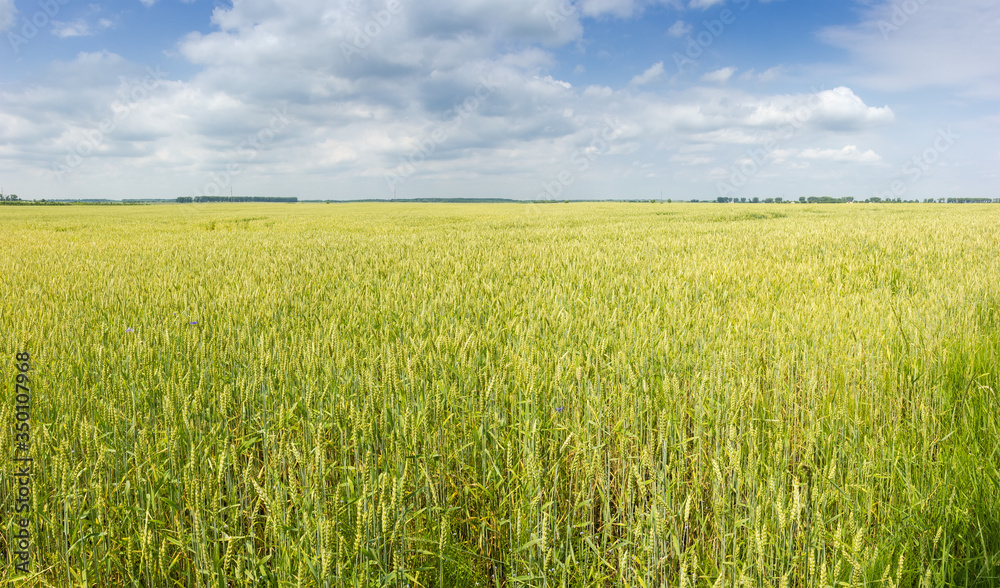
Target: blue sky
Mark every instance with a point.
(520, 99)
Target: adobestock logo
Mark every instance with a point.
(921, 164)
(246, 152)
(428, 146)
(582, 159)
(712, 30)
(757, 158)
(901, 14)
(30, 27)
(129, 97)
(561, 14)
(367, 34)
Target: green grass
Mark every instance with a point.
(506, 395)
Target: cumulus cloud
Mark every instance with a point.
(8, 13)
(850, 154)
(680, 29)
(839, 109)
(467, 86)
(842, 109)
(404, 79)
(654, 72)
(736, 113)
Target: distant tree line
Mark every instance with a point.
(826, 200)
(190, 199)
(9, 198)
(725, 199)
(872, 200)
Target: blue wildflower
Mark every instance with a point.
(130, 330)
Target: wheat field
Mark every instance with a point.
(505, 395)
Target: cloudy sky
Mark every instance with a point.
(343, 99)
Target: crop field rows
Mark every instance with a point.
(506, 395)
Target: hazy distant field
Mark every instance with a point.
(506, 395)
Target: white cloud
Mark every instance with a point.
(654, 72)
(850, 154)
(346, 36)
(842, 109)
(766, 76)
(8, 12)
(741, 117)
(696, 148)
(771, 74)
(839, 109)
(75, 28)
(719, 76)
(621, 8)
(949, 44)
(84, 25)
(680, 29)
(352, 120)
(692, 159)
(703, 4)
(730, 135)
(782, 155)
